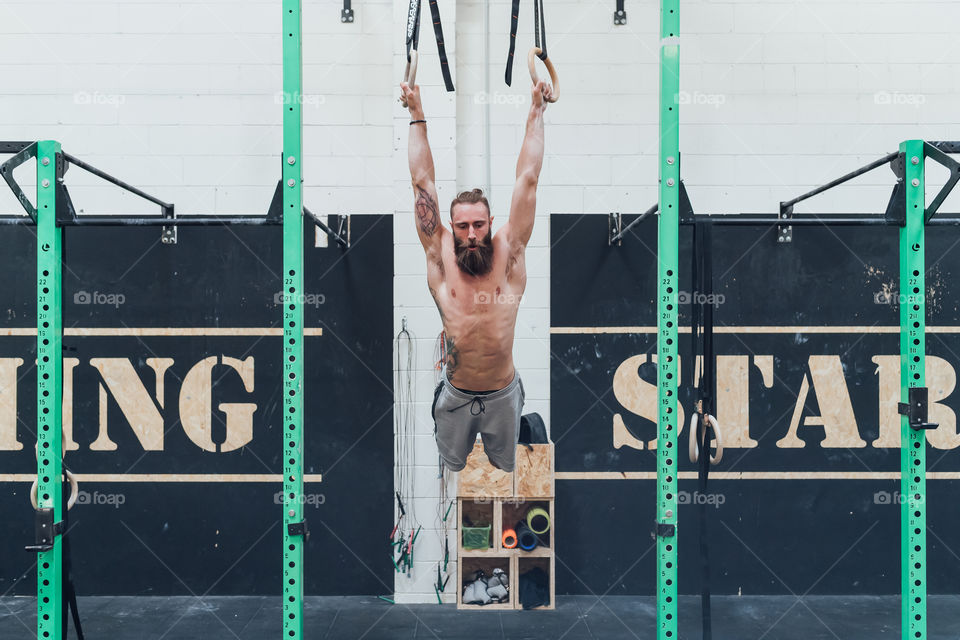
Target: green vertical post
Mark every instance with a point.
(667, 280)
(294, 527)
(913, 493)
(49, 389)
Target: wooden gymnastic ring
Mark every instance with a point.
(410, 74)
(532, 62)
(694, 446)
(74, 491)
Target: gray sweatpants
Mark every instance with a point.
(460, 416)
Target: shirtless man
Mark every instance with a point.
(476, 278)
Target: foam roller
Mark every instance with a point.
(538, 520)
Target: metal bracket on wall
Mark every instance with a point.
(615, 229)
(936, 153)
(168, 235)
(338, 228)
(686, 207)
(785, 231)
(620, 15)
(22, 151)
(346, 14)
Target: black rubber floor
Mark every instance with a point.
(576, 617)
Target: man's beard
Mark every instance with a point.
(478, 262)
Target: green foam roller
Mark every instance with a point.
(538, 520)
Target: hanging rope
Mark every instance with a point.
(403, 479)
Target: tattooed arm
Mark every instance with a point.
(427, 213)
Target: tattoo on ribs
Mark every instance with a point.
(427, 214)
(453, 357)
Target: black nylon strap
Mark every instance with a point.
(413, 27)
(702, 343)
(438, 32)
(539, 29)
(514, 17)
(69, 592)
(539, 33)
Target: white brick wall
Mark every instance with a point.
(179, 97)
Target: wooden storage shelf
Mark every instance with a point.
(490, 496)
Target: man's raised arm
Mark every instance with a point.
(524, 204)
(429, 227)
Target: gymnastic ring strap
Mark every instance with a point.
(74, 491)
(535, 53)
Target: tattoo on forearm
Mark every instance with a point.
(427, 214)
(453, 356)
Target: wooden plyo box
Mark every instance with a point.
(533, 477)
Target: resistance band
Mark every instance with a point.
(413, 44)
(526, 539)
(538, 520)
(539, 50)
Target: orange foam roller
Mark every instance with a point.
(509, 539)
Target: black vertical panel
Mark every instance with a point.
(222, 538)
(768, 536)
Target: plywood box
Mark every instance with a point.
(534, 474)
(533, 477)
(480, 479)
